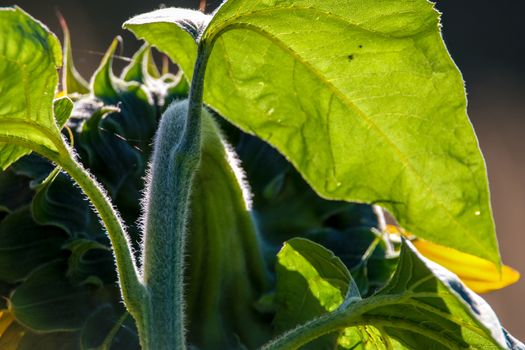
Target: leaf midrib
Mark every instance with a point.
(49, 134)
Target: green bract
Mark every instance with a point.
(222, 243)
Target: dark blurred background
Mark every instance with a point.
(485, 38)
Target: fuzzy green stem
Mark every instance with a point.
(130, 285)
(348, 315)
(308, 332)
(197, 90)
(176, 157)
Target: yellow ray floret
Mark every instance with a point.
(480, 275)
(11, 333)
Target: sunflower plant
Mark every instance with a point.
(238, 202)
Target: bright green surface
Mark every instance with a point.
(226, 269)
(62, 108)
(29, 57)
(361, 96)
(311, 281)
(424, 306)
(72, 81)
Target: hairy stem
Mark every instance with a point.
(176, 157)
(131, 287)
(130, 284)
(308, 332)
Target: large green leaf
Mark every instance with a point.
(361, 96)
(424, 306)
(30, 55)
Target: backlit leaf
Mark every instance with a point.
(361, 96)
(30, 55)
(311, 281)
(62, 108)
(185, 27)
(72, 81)
(424, 306)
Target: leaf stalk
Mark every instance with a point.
(130, 283)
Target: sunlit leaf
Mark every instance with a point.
(369, 257)
(311, 281)
(361, 96)
(30, 57)
(424, 306)
(62, 108)
(431, 308)
(103, 81)
(185, 27)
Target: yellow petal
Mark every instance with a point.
(478, 274)
(11, 333)
(5, 321)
